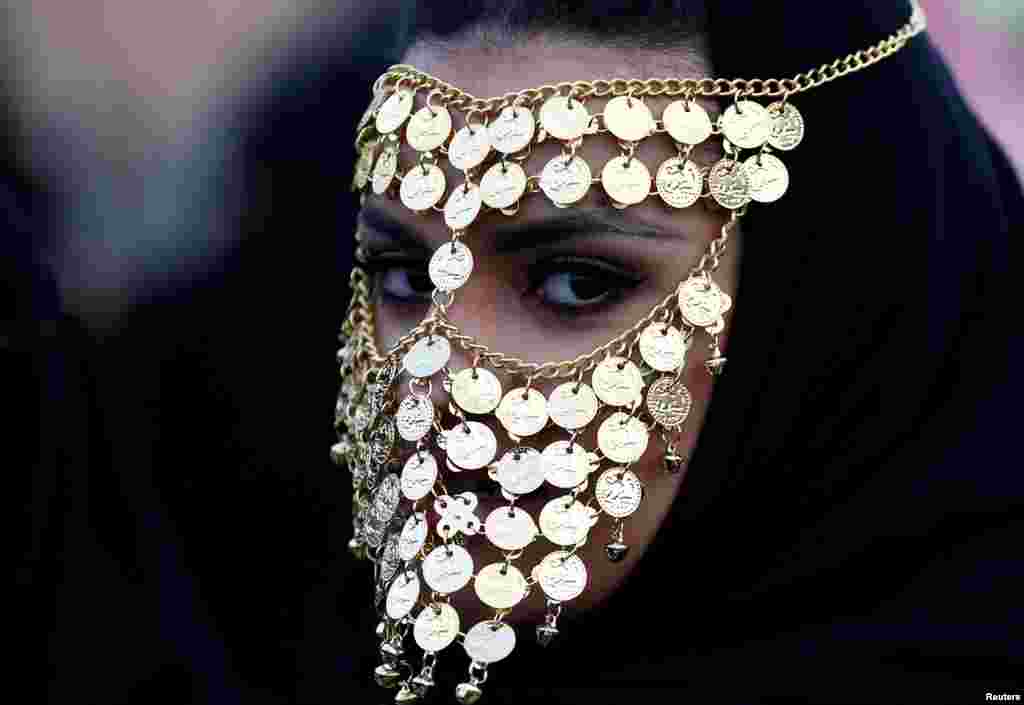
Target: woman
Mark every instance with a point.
(842, 530)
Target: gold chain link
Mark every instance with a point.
(458, 99)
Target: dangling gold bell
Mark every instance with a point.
(715, 366)
(386, 676)
(616, 551)
(467, 693)
(674, 462)
(406, 695)
(546, 634)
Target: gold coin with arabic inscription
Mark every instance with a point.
(394, 111)
(626, 180)
(729, 184)
(422, 187)
(512, 129)
(662, 347)
(787, 126)
(572, 405)
(503, 184)
(428, 128)
(500, 586)
(746, 124)
(669, 402)
(462, 206)
(565, 180)
(523, 412)
(700, 301)
(679, 182)
(623, 438)
(436, 626)
(769, 177)
(477, 391)
(469, 148)
(618, 492)
(617, 381)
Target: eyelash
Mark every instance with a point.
(615, 280)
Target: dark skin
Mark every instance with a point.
(551, 283)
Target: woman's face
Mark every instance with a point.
(551, 283)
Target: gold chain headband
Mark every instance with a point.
(419, 562)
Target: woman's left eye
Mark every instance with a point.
(576, 285)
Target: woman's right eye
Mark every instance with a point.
(404, 283)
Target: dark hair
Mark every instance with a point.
(621, 23)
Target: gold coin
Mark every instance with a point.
(437, 624)
(787, 126)
(503, 184)
(561, 575)
(572, 405)
(462, 206)
(700, 302)
(402, 595)
(679, 182)
(476, 390)
(471, 445)
(428, 128)
(394, 111)
(512, 130)
(414, 417)
(469, 148)
(500, 586)
(662, 347)
(565, 180)
(628, 118)
(566, 464)
(510, 528)
(618, 492)
(450, 266)
(769, 177)
(688, 124)
(729, 184)
(564, 117)
(523, 412)
(384, 170)
(565, 521)
(422, 189)
(669, 402)
(626, 180)
(617, 381)
(622, 438)
(489, 641)
(746, 124)
(520, 471)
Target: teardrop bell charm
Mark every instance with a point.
(616, 549)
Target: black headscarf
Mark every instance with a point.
(849, 529)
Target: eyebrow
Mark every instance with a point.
(527, 234)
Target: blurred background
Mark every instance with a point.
(127, 107)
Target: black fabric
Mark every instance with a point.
(849, 530)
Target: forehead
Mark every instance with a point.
(486, 63)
